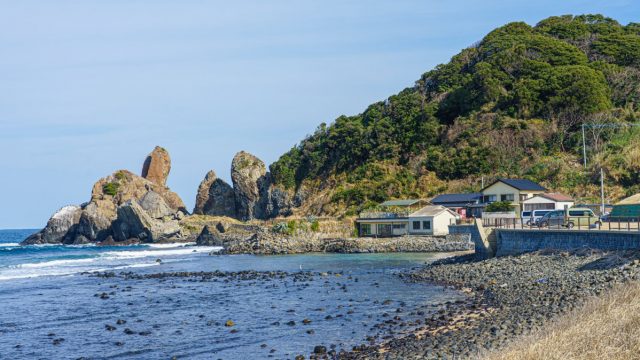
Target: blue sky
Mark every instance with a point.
(89, 87)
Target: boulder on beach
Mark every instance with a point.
(210, 236)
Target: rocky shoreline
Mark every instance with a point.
(507, 297)
(261, 241)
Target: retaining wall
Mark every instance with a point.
(511, 242)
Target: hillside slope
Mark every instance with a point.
(511, 105)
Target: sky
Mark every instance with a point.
(89, 87)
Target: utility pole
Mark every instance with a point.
(584, 148)
(601, 192)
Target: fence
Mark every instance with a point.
(567, 223)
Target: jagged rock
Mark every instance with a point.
(209, 237)
(134, 222)
(57, 226)
(157, 166)
(215, 197)
(93, 221)
(247, 172)
(155, 206)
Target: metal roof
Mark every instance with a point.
(520, 184)
(631, 200)
(408, 202)
(431, 210)
(456, 198)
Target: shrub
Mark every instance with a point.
(280, 228)
(315, 226)
(499, 206)
(110, 188)
(291, 226)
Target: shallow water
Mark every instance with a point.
(184, 316)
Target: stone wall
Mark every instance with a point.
(484, 242)
(511, 242)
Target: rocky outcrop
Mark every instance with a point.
(253, 195)
(57, 226)
(134, 222)
(210, 236)
(215, 197)
(123, 207)
(247, 174)
(157, 166)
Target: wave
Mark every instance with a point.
(101, 259)
(169, 245)
(9, 244)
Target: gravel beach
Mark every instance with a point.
(507, 297)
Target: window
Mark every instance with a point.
(426, 225)
(416, 225)
(489, 198)
(507, 197)
(523, 197)
(399, 226)
(365, 229)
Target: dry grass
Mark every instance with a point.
(607, 327)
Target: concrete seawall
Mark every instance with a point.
(504, 242)
(511, 242)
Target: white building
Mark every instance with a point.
(429, 220)
(547, 201)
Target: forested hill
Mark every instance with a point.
(511, 105)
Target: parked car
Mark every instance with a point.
(526, 217)
(535, 216)
(575, 217)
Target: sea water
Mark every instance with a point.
(52, 307)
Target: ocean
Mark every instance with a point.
(53, 306)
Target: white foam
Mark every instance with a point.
(170, 245)
(9, 244)
(109, 260)
(158, 253)
(59, 263)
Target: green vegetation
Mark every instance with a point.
(315, 226)
(110, 188)
(511, 105)
(499, 206)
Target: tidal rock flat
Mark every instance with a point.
(191, 305)
(508, 297)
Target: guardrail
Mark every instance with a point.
(570, 223)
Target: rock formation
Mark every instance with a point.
(215, 197)
(210, 236)
(247, 174)
(157, 166)
(123, 206)
(58, 225)
(253, 195)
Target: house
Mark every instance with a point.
(428, 220)
(431, 220)
(547, 201)
(627, 209)
(514, 191)
(465, 205)
(391, 219)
